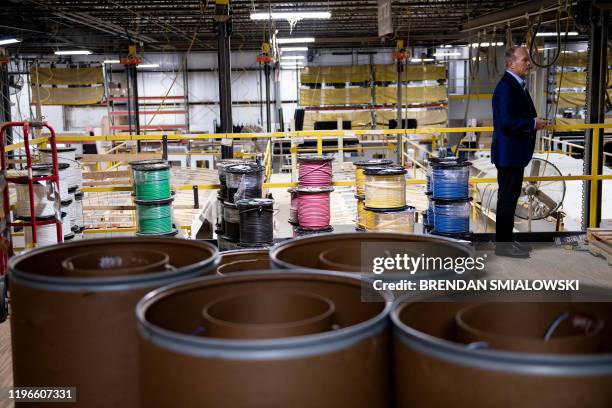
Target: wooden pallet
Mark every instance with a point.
(600, 242)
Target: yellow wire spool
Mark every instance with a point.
(399, 221)
(385, 188)
(361, 212)
(360, 166)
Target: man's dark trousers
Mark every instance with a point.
(510, 181)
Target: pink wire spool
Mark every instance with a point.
(315, 171)
(313, 207)
(293, 210)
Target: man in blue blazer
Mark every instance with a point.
(515, 123)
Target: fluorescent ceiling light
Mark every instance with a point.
(486, 44)
(111, 62)
(446, 54)
(147, 66)
(447, 46)
(555, 34)
(293, 49)
(295, 40)
(293, 57)
(9, 41)
(291, 15)
(421, 59)
(73, 52)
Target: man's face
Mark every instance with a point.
(521, 64)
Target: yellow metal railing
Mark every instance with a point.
(593, 177)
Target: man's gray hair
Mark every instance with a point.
(510, 54)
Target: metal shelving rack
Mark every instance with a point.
(30, 180)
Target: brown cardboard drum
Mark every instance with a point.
(268, 315)
(434, 369)
(342, 252)
(257, 259)
(242, 266)
(531, 327)
(345, 365)
(119, 262)
(75, 330)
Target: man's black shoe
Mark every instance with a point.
(511, 250)
(523, 245)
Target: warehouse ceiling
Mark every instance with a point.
(178, 25)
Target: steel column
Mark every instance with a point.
(596, 108)
(223, 26)
(133, 105)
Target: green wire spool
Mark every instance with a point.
(151, 181)
(154, 217)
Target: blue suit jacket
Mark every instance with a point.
(513, 123)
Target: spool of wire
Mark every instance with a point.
(361, 212)
(66, 223)
(43, 199)
(231, 220)
(78, 210)
(41, 170)
(428, 220)
(65, 155)
(400, 220)
(449, 180)
(385, 187)
(219, 224)
(301, 232)
(226, 244)
(256, 222)
(360, 166)
(315, 171)
(244, 181)
(452, 217)
(152, 181)
(222, 170)
(313, 207)
(46, 234)
(293, 210)
(154, 217)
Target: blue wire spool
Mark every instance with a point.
(449, 180)
(451, 217)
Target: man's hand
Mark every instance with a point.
(540, 123)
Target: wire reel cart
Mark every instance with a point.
(29, 179)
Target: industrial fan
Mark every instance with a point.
(539, 199)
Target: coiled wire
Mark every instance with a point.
(152, 184)
(361, 213)
(450, 183)
(244, 181)
(315, 171)
(154, 219)
(44, 205)
(293, 209)
(46, 234)
(360, 166)
(313, 208)
(452, 217)
(401, 222)
(256, 222)
(385, 191)
(73, 174)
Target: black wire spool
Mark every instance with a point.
(256, 221)
(231, 222)
(221, 168)
(244, 181)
